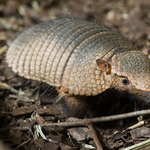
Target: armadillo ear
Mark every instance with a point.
(145, 51)
(103, 65)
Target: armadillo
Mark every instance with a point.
(80, 59)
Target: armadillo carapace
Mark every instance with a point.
(80, 58)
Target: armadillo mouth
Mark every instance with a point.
(135, 66)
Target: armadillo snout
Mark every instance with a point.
(135, 66)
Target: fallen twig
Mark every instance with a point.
(136, 125)
(139, 145)
(23, 144)
(3, 49)
(15, 128)
(19, 94)
(21, 98)
(86, 122)
(97, 142)
(8, 87)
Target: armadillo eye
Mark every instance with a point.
(125, 81)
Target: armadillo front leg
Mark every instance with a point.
(73, 105)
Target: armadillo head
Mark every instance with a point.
(131, 72)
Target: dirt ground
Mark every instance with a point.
(25, 103)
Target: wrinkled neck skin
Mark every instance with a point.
(116, 82)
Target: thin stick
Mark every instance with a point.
(15, 128)
(85, 122)
(22, 144)
(3, 49)
(139, 145)
(96, 140)
(5, 86)
(8, 87)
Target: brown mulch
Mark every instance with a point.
(30, 103)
